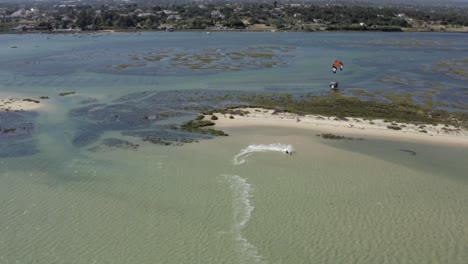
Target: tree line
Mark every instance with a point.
(287, 17)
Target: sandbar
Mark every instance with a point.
(10, 102)
(351, 126)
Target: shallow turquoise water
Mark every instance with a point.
(49, 63)
(331, 202)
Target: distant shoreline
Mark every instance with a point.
(403, 30)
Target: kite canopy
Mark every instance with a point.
(337, 64)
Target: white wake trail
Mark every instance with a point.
(244, 153)
(243, 209)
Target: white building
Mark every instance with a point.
(217, 14)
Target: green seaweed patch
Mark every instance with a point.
(233, 111)
(360, 92)
(395, 80)
(453, 67)
(125, 66)
(457, 106)
(439, 87)
(160, 141)
(205, 59)
(198, 124)
(155, 58)
(260, 55)
(215, 132)
(399, 98)
(428, 101)
(443, 64)
(196, 66)
(216, 58)
(44, 97)
(434, 92)
(200, 127)
(122, 66)
(458, 71)
(428, 95)
(442, 104)
(394, 127)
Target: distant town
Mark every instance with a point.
(75, 16)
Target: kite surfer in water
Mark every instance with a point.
(337, 64)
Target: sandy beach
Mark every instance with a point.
(351, 127)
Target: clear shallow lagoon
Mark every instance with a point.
(373, 61)
(332, 202)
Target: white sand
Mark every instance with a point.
(356, 127)
(15, 103)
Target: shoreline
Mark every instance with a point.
(376, 128)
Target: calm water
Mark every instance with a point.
(66, 196)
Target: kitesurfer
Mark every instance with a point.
(337, 64)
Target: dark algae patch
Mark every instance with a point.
(31, 100)
(205, 60)
(179, 117)
(115, 143)
(200, 127)
(67, 93)
(336, 137)
(394, 127)
(157, 117)
(8, 130)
